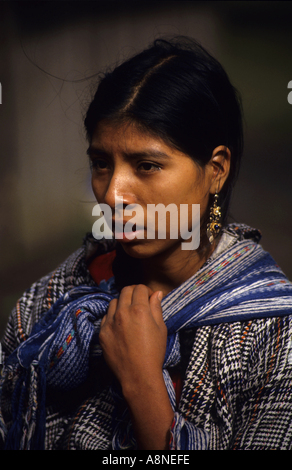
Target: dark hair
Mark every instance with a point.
(176, 90)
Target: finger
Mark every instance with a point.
(141, 294)
(103, 320)
(125, 298)
(112, 307)
(110, 312)
(155, 306)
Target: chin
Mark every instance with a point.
(150, 249)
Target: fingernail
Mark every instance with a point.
(160, 295)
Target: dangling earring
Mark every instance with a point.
(214, 226)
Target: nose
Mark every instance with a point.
(119, 190)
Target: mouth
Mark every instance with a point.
(126, 233)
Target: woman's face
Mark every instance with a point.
(130, 166)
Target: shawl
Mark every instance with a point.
(241, 283)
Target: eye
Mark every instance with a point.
(148, 167)
(98, 164)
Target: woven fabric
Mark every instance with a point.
(239, 285)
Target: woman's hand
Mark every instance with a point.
(133, 337)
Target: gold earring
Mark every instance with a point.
(214, 226)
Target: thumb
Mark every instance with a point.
(155, 306)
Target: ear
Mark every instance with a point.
(219, 167)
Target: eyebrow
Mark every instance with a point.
(132, 155)
(94, 151)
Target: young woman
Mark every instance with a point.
(136, 342)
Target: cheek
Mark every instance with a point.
(94, 188)
(98, 188)
(196, 195)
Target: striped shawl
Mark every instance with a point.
(239, 290)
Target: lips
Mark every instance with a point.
(127, 232)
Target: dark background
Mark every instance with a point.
(48, 49)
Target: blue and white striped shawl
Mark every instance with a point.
(241, 283)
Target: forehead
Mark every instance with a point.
(132, 141)
(127, 142)
(123, 136)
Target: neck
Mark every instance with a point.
(166, 273)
